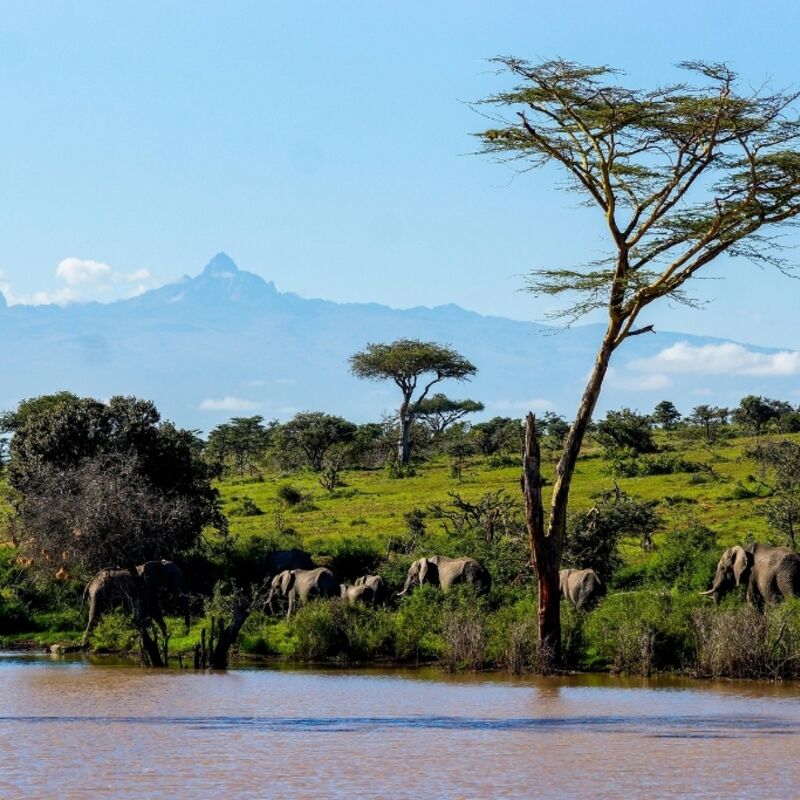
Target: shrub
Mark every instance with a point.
(640, 632)
(246, 507)
(330, 630)
(418, 626)
(114, 634)
(740, 642)
(349, 558)
(290, 495)
(511, 635)
(686, 558)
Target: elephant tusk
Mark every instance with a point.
(706, 594)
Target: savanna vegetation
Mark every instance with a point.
(653, 506)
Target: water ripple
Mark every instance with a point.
(687, 727)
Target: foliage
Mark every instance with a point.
(625, 431)
(710, 419)
(245, 508)
(666, 415)
(313, 434)
(239, 444)
(498, 435)
(438, 412)
(411, 364)
(594, 537)
(105, 484)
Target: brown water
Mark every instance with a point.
(73, 729)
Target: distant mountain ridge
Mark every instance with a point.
(226, 343)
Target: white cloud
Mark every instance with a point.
(641, 383)
(537, 404)
(720, 359)
(84, 280)
(228, 403)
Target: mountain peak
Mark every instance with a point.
(222, 265)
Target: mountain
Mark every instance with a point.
(228, 343)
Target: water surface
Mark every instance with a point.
(75, 729)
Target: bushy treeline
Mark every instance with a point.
(101, 484)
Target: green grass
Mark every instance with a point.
(372, 504)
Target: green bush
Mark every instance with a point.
(330, 630)
(641, 632)
(246, 507)
(114, 634)
(686, 558)
(418, 626)
(351, 557)
(290, 495)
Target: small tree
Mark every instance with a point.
(679, 175)
(242, 441)
(666, 415)
(710, 419)
(314, 433)
(625, 432)
(755, 413)
(439, 411)
(411, 364)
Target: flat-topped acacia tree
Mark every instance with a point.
(411, 364)
(680, 176)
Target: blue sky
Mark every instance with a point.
(326, 147)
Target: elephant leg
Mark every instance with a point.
(92, 621)
(291, 603)
(158, 618)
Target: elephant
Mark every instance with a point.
(159, 579)
(376, 583)
(581, 587)
(770, 573)
(446, 572)
(305, 584)
(358, 594)
(113, 588)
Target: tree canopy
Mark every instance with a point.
(679, 175)
(412, 364)
(105, 484)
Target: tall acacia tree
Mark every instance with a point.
(679, 175)
(411, 364)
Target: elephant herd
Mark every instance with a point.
(293, 575)
(308, 582)
(768, 573)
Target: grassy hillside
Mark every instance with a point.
(372, 504)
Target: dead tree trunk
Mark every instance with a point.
(546, 539)
(545, 553)
(228, 635)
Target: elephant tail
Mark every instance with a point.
(83, 598)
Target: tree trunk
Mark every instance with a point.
(228, 635)
(546, 541)
(404, 446)
(545, 553)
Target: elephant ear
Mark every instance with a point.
(741, 561)
(424, 566)
(287, 581)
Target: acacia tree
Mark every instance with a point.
(679, 175)
(439, 411)
(410, 363)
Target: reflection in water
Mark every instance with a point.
(76, 729)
